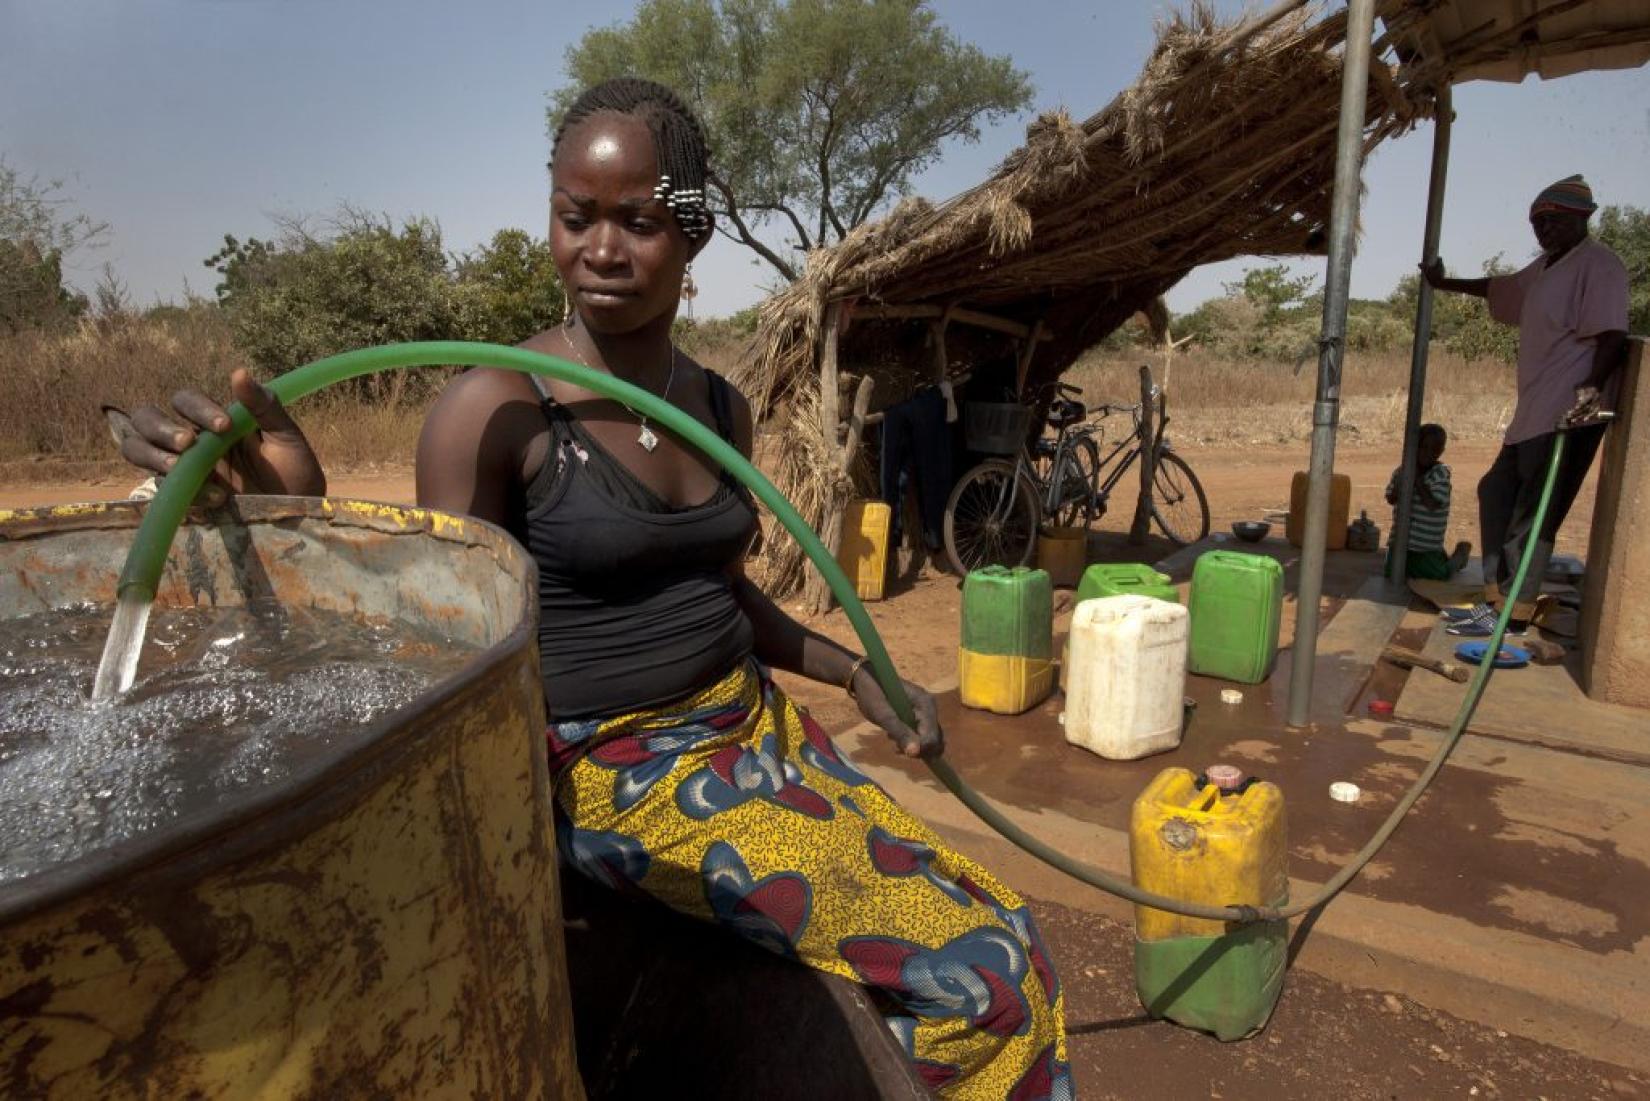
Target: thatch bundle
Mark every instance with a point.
(1224, 147)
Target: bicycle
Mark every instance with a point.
(998, 507)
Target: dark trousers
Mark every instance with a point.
(916, 449)
(1507, 496)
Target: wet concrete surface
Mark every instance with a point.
(1463, 849)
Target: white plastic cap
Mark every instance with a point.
(1343, 792)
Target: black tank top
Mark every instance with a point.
(635, 604)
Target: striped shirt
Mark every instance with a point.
(1427, 525)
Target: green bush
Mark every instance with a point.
(304, 296)
(508, 289)
(1626, 230)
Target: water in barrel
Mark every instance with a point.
(230, 700)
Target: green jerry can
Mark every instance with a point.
(1237, 609)
(1125, 579)
(1192, 840)
(1005, 661)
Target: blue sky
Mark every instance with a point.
(178, 121)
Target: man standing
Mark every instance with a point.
(1570, 306)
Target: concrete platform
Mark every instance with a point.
(1516, 894)
(1538, 705)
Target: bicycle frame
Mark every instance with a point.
(1049, 494)
(1113, 468)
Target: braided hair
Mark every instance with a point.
(678, 142)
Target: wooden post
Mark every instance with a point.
(816, 595)
(1023, 368)
(1170, 347)
(857, 421)
(830, 384)
(936, 337)
(1148, 450)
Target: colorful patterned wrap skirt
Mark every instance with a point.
(733, 806)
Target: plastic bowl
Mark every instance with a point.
(1251, 531)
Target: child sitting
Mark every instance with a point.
(1429, 513)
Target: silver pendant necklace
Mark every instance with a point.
(647, 438)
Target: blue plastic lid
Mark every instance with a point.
(1511, 657)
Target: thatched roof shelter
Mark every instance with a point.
(1223, 147)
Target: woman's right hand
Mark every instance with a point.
(273, 458)
(1433, 273)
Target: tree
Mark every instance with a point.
(819, 112)
(1626, 229)
(1273, 291)
(36, 234)
(508, 289)
(1460, 322)
(308, 294)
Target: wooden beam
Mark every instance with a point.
(959, 314)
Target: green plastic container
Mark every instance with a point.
(1004, 663)
(1227, 985)
(1125, 578)
(1008, 612)
(1236, 607)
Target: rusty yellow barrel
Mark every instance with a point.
(383, 923)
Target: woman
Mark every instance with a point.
(682, 772)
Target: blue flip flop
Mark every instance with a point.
(1510, 657)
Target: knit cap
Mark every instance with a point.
(1571, 195)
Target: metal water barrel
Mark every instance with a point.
(383, 923)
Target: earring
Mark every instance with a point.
(690, 289)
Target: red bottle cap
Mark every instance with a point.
(1380, 707)
(1225, 777)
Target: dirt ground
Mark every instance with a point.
(1326, 1039)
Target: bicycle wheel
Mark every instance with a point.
(991, 518)
(1074, 483)
(1178, 503)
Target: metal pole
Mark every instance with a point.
(1343, 227)
(1442, 117)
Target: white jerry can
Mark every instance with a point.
(1126, 688)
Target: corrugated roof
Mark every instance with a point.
(1508, 40)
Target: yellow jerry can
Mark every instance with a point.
(1189, 840)
(862, 551)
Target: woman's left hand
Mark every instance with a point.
(928, 740)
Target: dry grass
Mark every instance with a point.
(52, 385)
(1226, 401)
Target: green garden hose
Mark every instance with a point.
(147, 559)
